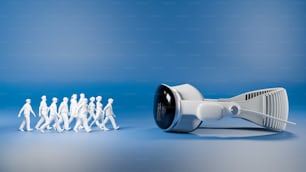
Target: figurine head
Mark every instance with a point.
(54, 99)
(74, 96)
(43, 97)
(110, 100)
(82, 95)
(99, 98)
(65, 99)
(28, 100)
(92, 99)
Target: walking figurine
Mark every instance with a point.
(99, 112)
(54, 116)
(109, 115)
(27, 110)
(63, 112)
(82, 118)
(73, 108)
(91, 108)
(80, 102)
(42, 112)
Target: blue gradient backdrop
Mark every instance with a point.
(124, 49)
(223, 47)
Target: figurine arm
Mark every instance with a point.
(79, 108)
(53, 109)
(105, 108)
(32, 112)
(113, 113)
(21, 110)
(60, 108)
(70, 110)
(57, 113)
(39, 110)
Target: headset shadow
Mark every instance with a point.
(241, 133)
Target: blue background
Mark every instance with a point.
(125, 49)
(222, 47)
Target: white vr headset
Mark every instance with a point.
(182, 108)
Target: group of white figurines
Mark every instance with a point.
(81, 111)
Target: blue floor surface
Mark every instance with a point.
(225, 145)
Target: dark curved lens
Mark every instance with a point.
(164, 107)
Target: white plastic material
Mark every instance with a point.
(26, 110)
(99, 112)
(73, 108)
(82, 119)
(63, 112)
(54, 117)
(109, 113)
(42, 112)
(268, 108)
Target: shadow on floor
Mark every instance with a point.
(228, 133)
(239, 133)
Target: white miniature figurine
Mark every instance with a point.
(82, 97)
(73, 108)
(82, 119)
(99, 112)
(42, 112)
(27, 110)
(63, 112)
(91, 108)
(53, 117)
(109, 115)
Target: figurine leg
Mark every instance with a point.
(115, 126)
(46, 119)
(22, 125)
(97, 123)
(59, 129)
(90, 117)
(46, 124)
(70, 119)
(103, 124)
(28, 122)
(41, 120)
(77, 125)
(97, 118)
(66, 122)
(102, 118)
(85, 124)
